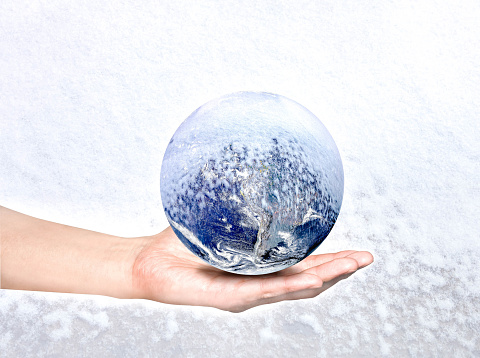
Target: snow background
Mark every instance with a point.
(90, 94)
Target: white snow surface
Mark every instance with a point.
(91, 93)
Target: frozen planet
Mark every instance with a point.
(252, 182)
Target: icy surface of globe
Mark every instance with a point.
(252, 182)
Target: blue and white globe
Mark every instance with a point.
(252, 182)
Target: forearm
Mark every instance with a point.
(45, 256)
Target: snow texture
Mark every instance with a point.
(91, 93)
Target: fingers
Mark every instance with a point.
(307, 283)
(315, 260)
(331, 272)
(272, 286)
(312, 292)
(321, 276)
(364, 258)
(332, 269)
(268, 287)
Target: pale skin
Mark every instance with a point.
(41, 255)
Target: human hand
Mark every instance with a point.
(166, 271)
(41, 255)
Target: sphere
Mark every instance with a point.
(252, 182)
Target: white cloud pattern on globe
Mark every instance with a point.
(252, 183)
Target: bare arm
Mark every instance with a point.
(40, 255)
(45, 256)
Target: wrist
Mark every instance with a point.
(117, 277)
(140, 269)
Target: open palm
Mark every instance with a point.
(166, 271)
